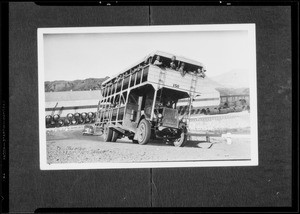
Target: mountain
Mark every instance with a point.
(76, 85)
(236, 78)
(234, 82)
(220, 83)
(233, 91)
(213, 84)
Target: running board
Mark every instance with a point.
(204, 134)
(117, 129)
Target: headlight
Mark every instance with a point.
(184, 120)
(159, 116)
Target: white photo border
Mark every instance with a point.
(137, 29)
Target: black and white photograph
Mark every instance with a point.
(147, 96)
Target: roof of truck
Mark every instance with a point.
(160, 53)
(178, 58)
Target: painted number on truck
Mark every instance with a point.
(175, 85)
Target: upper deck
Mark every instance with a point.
(149, 59)
(145, 72)
(173, 79)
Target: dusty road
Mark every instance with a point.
(72, 147)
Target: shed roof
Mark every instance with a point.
(72, 95)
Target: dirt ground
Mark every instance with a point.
(70, 146)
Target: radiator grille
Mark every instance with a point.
(170, 118)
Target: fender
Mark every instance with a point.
(142, 117)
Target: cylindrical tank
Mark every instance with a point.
(73, 121)
(48, 119)
(52, 123)
(80, 121)
(91, 114)
(87, 120)
(70, 116)
(56, 117)
(60, 122)
(66, 122)
(77, 116)
(84, 115)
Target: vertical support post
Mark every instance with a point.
(142, 73)
(140, 100)
(135, 78)
(153, 104)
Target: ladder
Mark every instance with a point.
(161, 82)
(192, 92)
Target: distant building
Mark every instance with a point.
(63, 103)
(206, 99)
(212, 102)
(238, 99)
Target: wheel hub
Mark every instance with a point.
(142, 132)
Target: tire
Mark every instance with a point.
(144, 132)
(114, 136)
(180, 142)
(107, 133)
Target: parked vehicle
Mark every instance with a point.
(140, 102)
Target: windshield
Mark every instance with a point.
(168, 97)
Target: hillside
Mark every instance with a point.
(76, 85)
(212, 83)
(233, 91)
(227, 89)
(233, 79)
(95, 83)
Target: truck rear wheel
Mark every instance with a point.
(115, 136)
(144, 132)
(107, 133)
(180, 142)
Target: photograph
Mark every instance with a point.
(159, 96)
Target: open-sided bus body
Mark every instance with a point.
(140, 102)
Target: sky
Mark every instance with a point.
(97, 55)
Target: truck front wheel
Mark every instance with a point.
(144, 132)
(181, 141)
